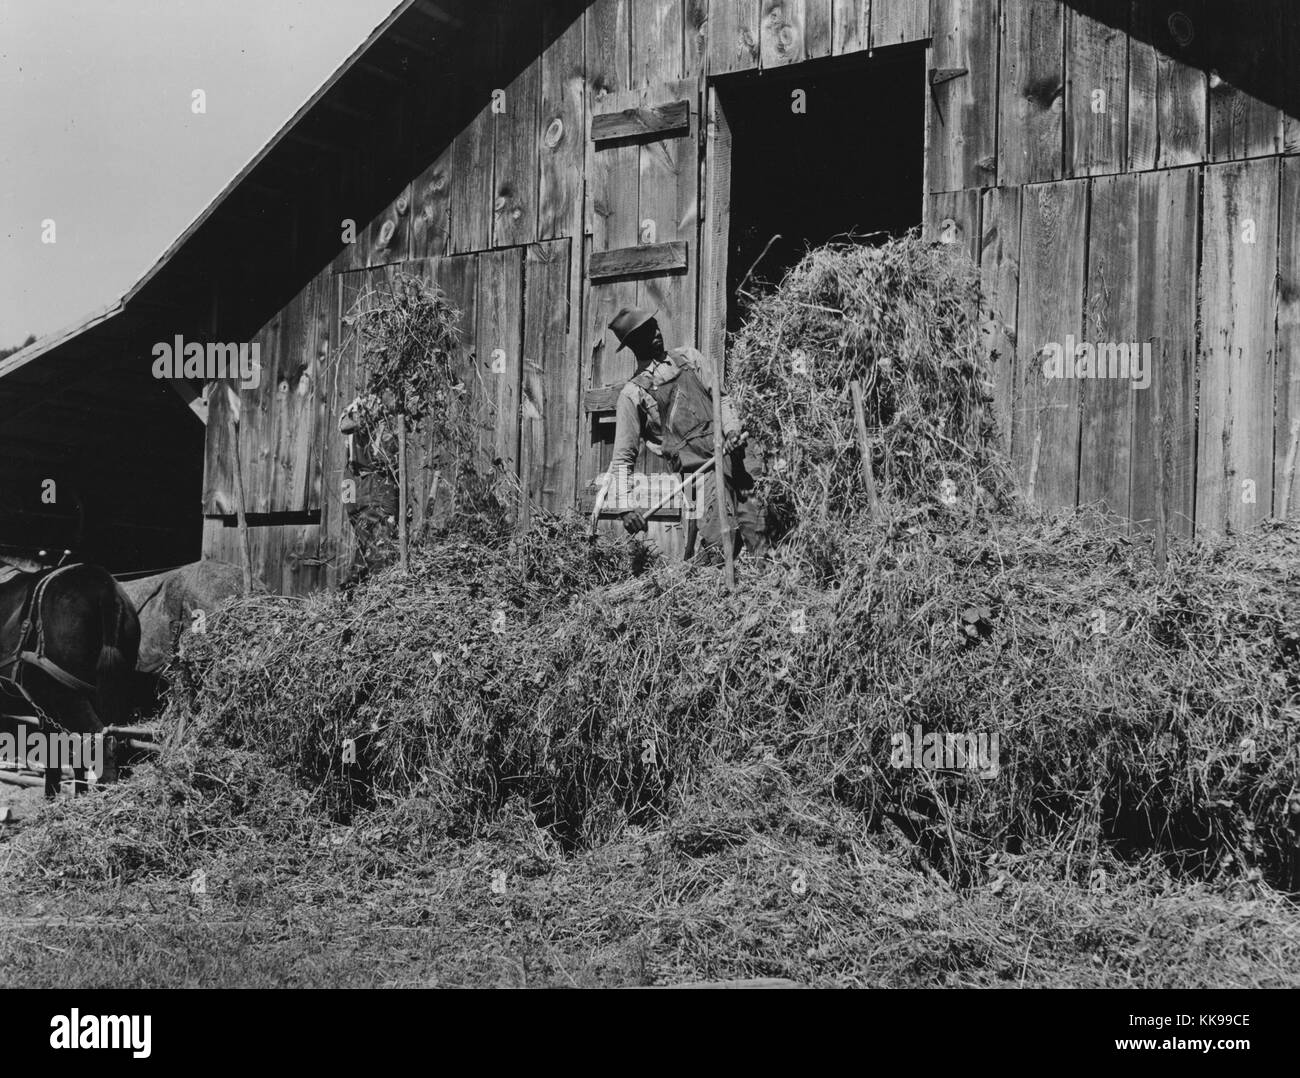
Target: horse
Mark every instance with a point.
(69, 641)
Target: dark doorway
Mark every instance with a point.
(851, 164)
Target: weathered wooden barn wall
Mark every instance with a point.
(575, 191)
(1108, 185)
(1115, 167)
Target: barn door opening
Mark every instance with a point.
(821, 151)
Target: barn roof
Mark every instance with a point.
(253, 246)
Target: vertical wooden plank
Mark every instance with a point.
(894, 22)
(257, 419)
(1168, 90)
(516, 147)
(792, 31)
(963, 110)
(733, 35)
(1286, 497)
(1045, 426)
(1246, 85)
(657, 42)
(1110, 320)
(668, 202)
(850, 26)
(550, 402)
(954, 217)
(1291, 80)
(458, 278)
(1168, 208)
(562, 131)
(471, 189)
(1238, 313)
(341, 387)
(695, 38)
(1000, 281)
(430, 208)
(1030, 129)
(609, 42)
(1096, 87)
(498, 344)
(714, 233)
(388, 237)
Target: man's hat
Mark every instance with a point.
(627, 322)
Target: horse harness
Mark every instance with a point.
(29, 647)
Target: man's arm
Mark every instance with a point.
(627, 433)
(627, 447)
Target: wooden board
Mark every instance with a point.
(695, 37)
(441, 466)
(498, 348)
(1291, 80)
(1238, 311)
(561, 132)
(430, 208)
(733, 35)
(792, 31)
(1110, 319)
(1166, 316)
(1030, 129)
(1246, 84)
(516, 145)
(609, 43)
(714, 232)
(549, 404)
(954, 217)
(894, 22)
(850, 26)
(1167, 90)
(1000, 282)
(659, 121)
(1096, 87)
(656, 41)
(471, 189)
(668, 204)
(644, 258)
(963, 110)
(1045, 425)
(1286, 487)
(388, 237)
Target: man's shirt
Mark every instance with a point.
(637, 414)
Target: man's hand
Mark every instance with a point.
(634, 522)
(733, 440)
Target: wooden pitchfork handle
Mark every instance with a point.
(648, 513)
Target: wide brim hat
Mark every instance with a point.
(628, 321)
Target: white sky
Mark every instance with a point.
(97, 133)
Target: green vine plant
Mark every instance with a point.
(412, 364)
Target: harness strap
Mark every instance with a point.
(57, 672)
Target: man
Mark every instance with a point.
(685, 437)
(372, 512)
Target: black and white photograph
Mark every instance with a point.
(642, 494)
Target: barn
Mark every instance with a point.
(1125, 174)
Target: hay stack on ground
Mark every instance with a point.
(1134, 713)
(900, 320)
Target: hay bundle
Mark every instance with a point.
(901, 319)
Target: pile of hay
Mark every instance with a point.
(1135, 713)
(901, 320)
